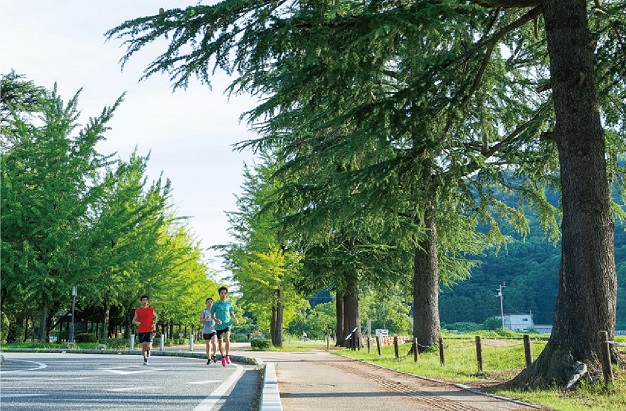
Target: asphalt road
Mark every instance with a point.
(95, 382)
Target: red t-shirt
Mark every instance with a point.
(144, 316)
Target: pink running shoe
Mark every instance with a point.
(228, 359)
(223, 361)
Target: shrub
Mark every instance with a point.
(492, 323)
(116, 343)
(260, 344)
(238, 337)
(463, 327)
(174, 341)
(86, 337)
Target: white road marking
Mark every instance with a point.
(203, 382)
(209, 402)
(22, 395)
(147, 387)
(132, 369)
(40, 366)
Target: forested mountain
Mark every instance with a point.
(529, 268)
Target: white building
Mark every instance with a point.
(525, 323)
(519, 322)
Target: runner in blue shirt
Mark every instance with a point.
(222, 311)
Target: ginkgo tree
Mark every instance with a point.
(73, 216)
(48, 186)
(261, 264)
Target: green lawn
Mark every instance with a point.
(502, 360)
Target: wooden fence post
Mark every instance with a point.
(607, 369)
(527, 350)
(378, 345)
(368, 345)
(415, 349)
(479, 354)
(442, 358)
(395, 346)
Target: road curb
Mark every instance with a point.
(270, 395)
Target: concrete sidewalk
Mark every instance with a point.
(319, 380)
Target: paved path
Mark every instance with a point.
(321, 381)
(318, 380)
(100, 382)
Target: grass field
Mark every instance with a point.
(502, 360)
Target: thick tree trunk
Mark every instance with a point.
(587, 280)
(351, 312)
(276, 322)
(426, 325)
(339, 334)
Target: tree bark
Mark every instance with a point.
(106, 330)
(43, 323)
(351, 311)
(276, 322)
(339, 334)
(426, 325)
(586, 300)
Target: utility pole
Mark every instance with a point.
(501, 302)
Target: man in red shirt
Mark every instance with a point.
(145, 319)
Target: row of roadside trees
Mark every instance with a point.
(74, 216)
(386, 125)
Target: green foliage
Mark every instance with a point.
(392, 123)
(49, 183)
(259, 259)
(492, 323)
(385, 309)
(317, 322)
(85, 337)
(18, 99)
(463, 327)
(116, 343)
(259, 344)
(51, 345)
(4, 327)
(72, 216)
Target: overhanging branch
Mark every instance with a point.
(508, 4)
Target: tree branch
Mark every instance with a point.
(508, 4)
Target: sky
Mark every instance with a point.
(188, 133)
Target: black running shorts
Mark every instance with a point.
(220, 332)
(145, 337)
